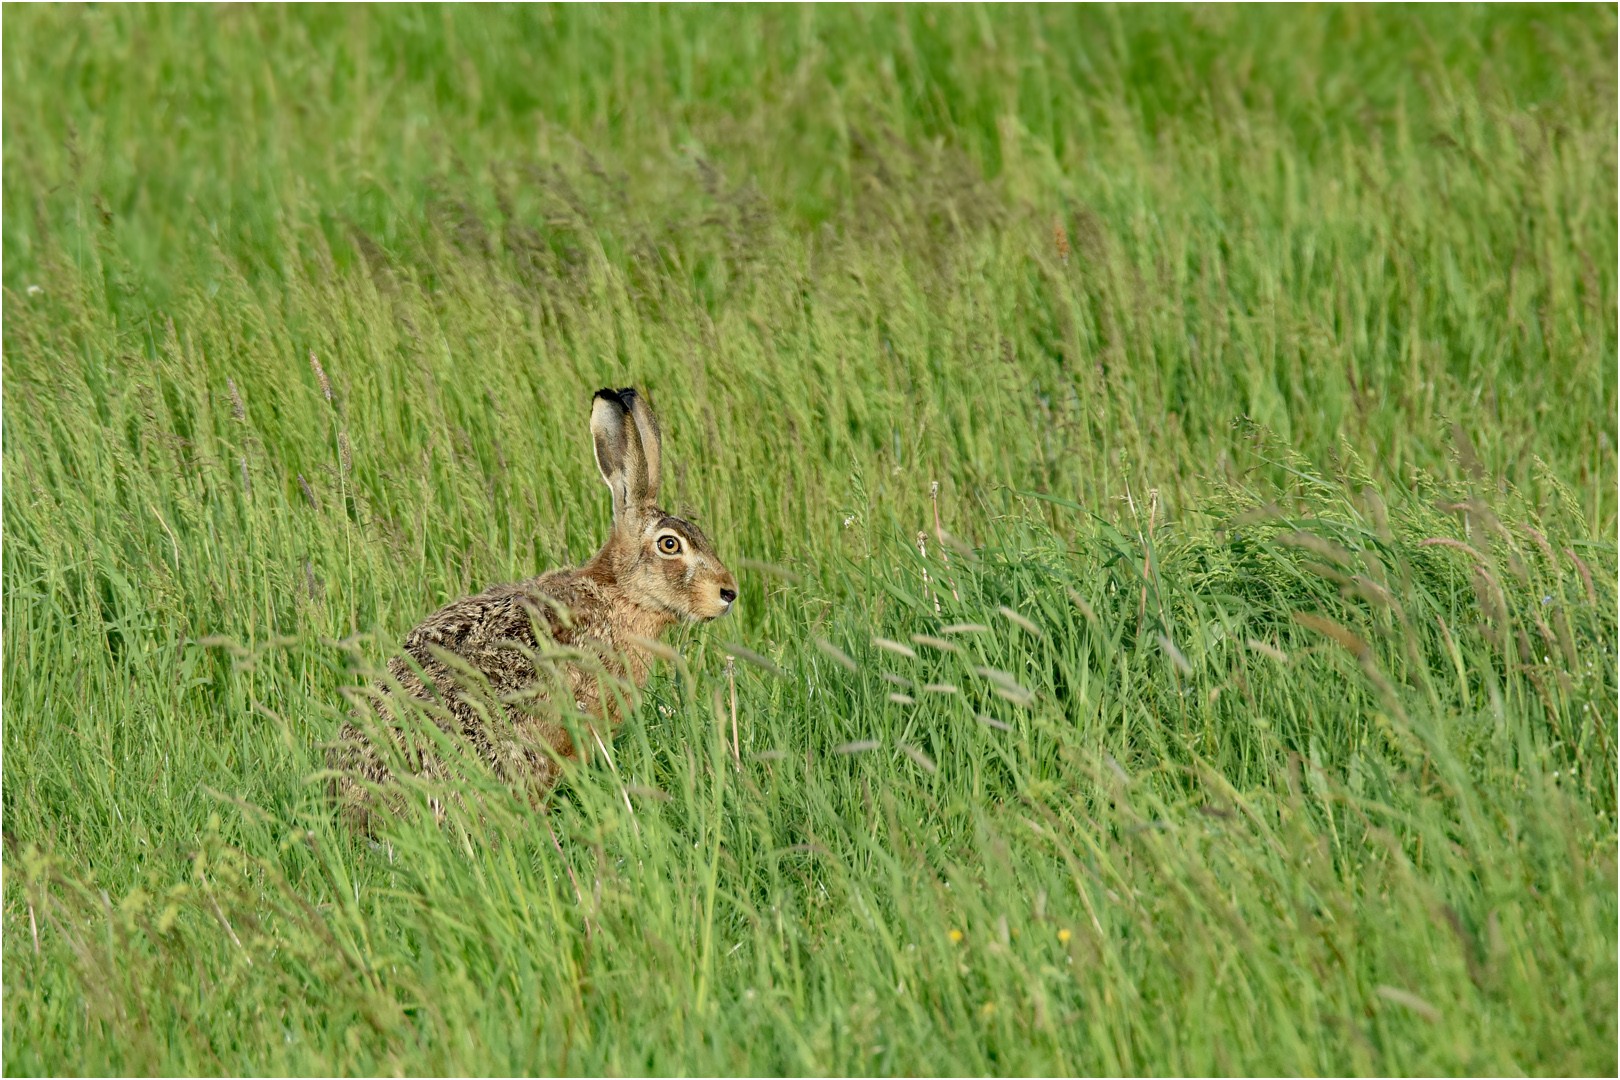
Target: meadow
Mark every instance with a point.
(1168, 455)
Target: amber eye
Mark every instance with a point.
(669, 545)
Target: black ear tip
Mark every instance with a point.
(625, 397)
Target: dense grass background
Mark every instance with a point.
(1265, 364)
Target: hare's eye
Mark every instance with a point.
(669, 545)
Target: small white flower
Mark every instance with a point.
(34, 290)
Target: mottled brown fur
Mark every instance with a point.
(549, 645)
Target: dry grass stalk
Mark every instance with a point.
(939, 534)
(731, 681)
(922, 549)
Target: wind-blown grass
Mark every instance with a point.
(1250, 707)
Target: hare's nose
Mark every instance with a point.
(728, 595)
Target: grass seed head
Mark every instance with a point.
(923, 761)
(1263, 649)
(1080, 602)
(895, 647)
(842, 658)
(1175, 655)
(1018, 620)
(320, 375)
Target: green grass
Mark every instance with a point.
(1274, 783)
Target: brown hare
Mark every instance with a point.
(496, 663)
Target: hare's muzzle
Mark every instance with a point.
(727, 593)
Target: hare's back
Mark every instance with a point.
(480, 628)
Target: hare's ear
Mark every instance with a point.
(652, 442)
(619, 456)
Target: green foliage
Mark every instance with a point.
(1249, 706)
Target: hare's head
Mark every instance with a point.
(659, 561)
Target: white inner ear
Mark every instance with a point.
(622, 439)
(608, 437)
